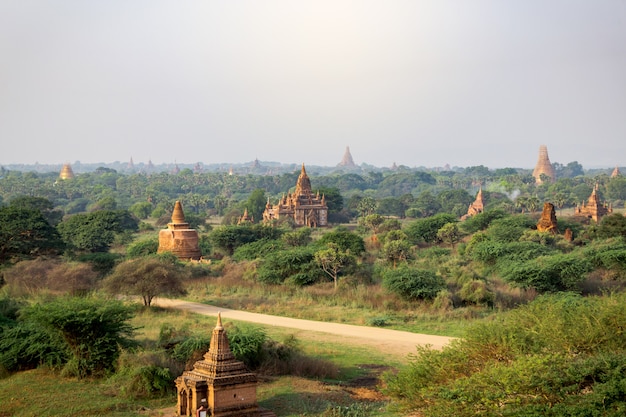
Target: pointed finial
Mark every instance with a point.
(219, 326)
(177, 215)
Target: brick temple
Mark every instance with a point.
(179, 238)
(221, 382)
(303, 207)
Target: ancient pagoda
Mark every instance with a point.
(245, 218)
(547, 222)
(66, 172)
(615, 173)
(347, 160)
(593, 208)
(220, 381)
(544, 166)
(179, 238)
(303, 207)
(478, 206)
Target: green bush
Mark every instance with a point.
(93, 331)
(548, 273)
(412, 283)
(143, 248)
(561, 355)
(297, 264)
(258, 249)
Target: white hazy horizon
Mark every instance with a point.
(415, 82)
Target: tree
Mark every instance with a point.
(366, 206)
(41, 204)
(141, 209)
(96, 231)
(425, 230)
(94, 331)
(449, 233)
(333, 260)
(396, 250)
(345, 240)
(373, 222)
(147, 277)
(256, 204)
(25, 232)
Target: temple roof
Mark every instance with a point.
(347, 160)
(303, 185)
(544, 166)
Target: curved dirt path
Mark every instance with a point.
(396, 342)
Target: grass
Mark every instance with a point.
(43, 392)
(359, 305)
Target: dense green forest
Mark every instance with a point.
(396, 234)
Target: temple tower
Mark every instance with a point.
(347, 160)
(593, 208)
(303, 207)
(178, 238)
(478, 206)
(615, 173)
(66, 172)
(224, 382)
(544, 166)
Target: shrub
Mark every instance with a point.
(559, 355)
(425, 230)
(258, 249)
(143, 248)
(93, 331)
(298, 263)
(549, 273)
(413, 284)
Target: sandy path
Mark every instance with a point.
(392, 341)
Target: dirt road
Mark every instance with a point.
(391, 341)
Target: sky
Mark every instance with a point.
(415, 82)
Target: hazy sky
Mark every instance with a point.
(464, 82)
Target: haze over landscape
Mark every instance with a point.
(419, 83)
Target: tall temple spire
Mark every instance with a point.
(347, 160)
(544, 166)
(303, 185)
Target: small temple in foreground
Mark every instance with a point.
(305, 208)
(179, 238)
(219, 383)
(593, 208)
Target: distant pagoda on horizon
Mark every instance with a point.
(347, 160)
(66, 172)
(544, 166)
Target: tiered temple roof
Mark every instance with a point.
(224, 382)
(615, 173)
(305, 208)
(593, 208)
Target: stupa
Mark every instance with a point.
(66, 172)
(615, 173)
(245, 218)
(544, 166)
(478, 206)
(178, 238)
(347, 160)
(305, 208)
(593, 208)
(547, 221)
(226, 386)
